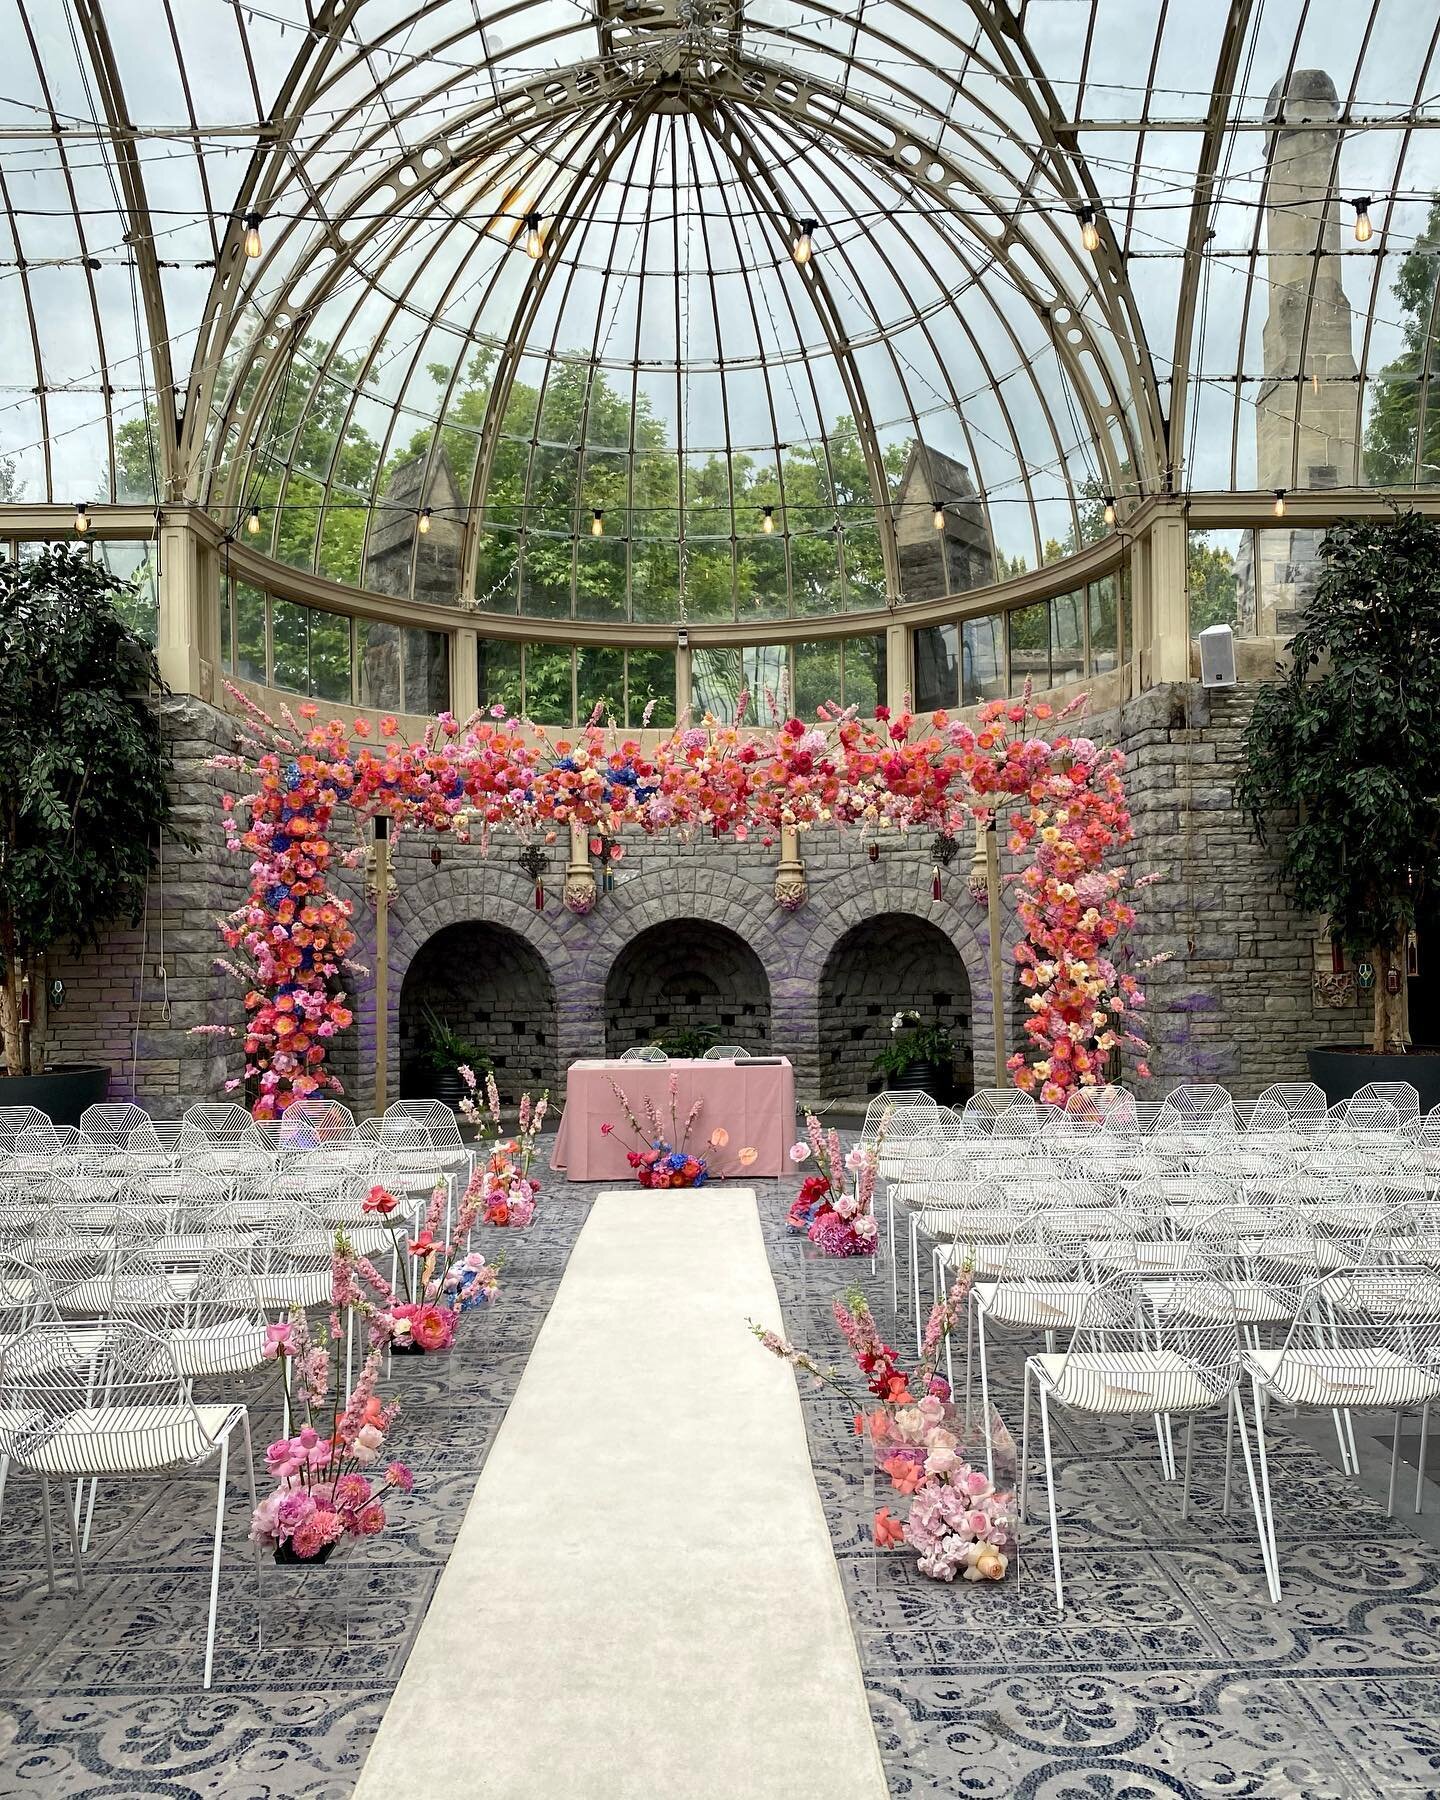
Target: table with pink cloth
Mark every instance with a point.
(751, 1100)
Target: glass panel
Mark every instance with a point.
(817, 676)
(290, 643)
(1221, 570)
(651, 676)
(134, 563)
(427, 671)
(937, 667)
(983, 647)
(379, 664)
(864, 673)
(716, 678)
(1067, 636)
(498, 675)
(1104, 652)
(249, 632)
(548, 699)
(1030, 646)
(600, 568)
(600, 674)
(227, 647)
(329, 656)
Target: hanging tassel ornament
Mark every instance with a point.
(532, 861)
(943, 852)
(27, 1016)
(935, 882)
(874, 853)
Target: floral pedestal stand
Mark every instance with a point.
(824, 1278)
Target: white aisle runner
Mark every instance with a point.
(642, 1599)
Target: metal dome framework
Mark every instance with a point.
(665, 368)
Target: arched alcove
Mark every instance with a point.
(687, 972)
(891, 963)
(491, 987)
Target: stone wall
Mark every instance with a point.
(1233, 1003)
(488, 985)
(687, 974)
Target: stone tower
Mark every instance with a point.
(1306, 411)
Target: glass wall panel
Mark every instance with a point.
(134, 563)
(249, 632)
(427, 671)
(1067, 636)
(716, 678)
(1104, 626)
(498, 675)
(549, 699)
(983, 659)
(380, 684)
(937, 667)
(817, 676)
(1220, 566)
(600, 681)
(329, 656)
(650, 676)
(1029, 646)
(864, 673)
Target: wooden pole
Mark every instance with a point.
(997, 977)
(382, 964)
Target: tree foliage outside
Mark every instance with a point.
(84, 767)
(1343, 755)
(1402, 435)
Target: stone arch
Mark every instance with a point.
(687, 972)
(888, 963)
(491, 986)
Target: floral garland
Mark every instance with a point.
(1063, 796)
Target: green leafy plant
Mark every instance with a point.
(444, 1050)
(687, 1040)
(912, 1041)
(84, 766)
(1343, 754)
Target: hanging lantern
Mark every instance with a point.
(26, 1013)
(437, 855)
(943, 851)
(532, 861)
(874, 853)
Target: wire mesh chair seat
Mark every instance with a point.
(317, 1124)
(644, 1053)
(1292, 1107)
(726, 1053)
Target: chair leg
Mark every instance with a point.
(894, 1266)
(259, 1564)
(1265, 1485)
(1264, 1523)
(49, 1535)
(1346, 1467)
(1050, 1498)
(1024, 1442)
(1189, 1447)
(215, 1558)
(1394, 1469)
(969, 1355)
(985, 1425)
(89, 1512)
(915, 1281)
(73, 1530)
(4, 1477)
(1229, 1458)
(1419, 1470)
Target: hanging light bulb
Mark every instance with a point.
(534, 238)
(82, 519)
(253, 246)
(937, 517)
(1279, 503)
(1364, 230)
(597, 522)
(1089, 230)
(1109, 509)
(423, 523)
(804, 246)
(767, 522)
(252, 523)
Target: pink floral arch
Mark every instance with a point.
(1061, 798)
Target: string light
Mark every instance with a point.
(1279, 503)
(252, 523)
(1089, 230)
(767, 523)
(597, 522)
(937, 517)
(82, 519)
(1109, 509)
(253, 246)
(804, 246)
(534, 238)
(1364, 230)
(423, 524)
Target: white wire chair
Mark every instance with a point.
(726, 1053)
(1400, 1094)
(1290, 1106)
(312, 1124)
(1130, 1358)
(72, 1411)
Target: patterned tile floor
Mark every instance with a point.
(1169, 1674)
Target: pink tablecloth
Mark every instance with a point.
(753, 1101)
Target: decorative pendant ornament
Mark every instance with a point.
(1365, 975)
(27, 1017)
(533, 861)
(792, 888)
(935, 882)
(874, 853)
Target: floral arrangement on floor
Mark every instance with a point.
(660, 1160)
(323, 1494)
(957, 1521)
(833, 1214)
(438, 1279)
(508, 1190)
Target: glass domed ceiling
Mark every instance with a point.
(599, 431)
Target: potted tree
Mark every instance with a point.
(918, 1056)
(443, 1053)
(1343, 758)
(84, 767)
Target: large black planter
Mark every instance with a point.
(446, 1087)
(1341, 1070)
(62, 1093)
(926, 1077)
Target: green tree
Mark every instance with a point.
(1399, 449)
(83, 770)
(1342, 754)
(1211, 572)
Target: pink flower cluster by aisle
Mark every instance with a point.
(1063, 797)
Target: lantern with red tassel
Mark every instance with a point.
(943, 852)
(533, 862)
(874, 853)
